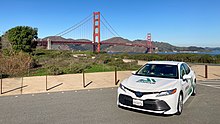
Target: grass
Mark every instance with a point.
(100, 68)
(54, 62)
(38, 72)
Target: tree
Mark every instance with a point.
(0, 42)
(21, 38)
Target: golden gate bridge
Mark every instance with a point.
(95, 28)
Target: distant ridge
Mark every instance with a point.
(54, 38)
(161, 46)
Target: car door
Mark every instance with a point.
(185, 83)
(191, 74)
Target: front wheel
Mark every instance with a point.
(180, 105)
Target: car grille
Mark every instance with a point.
(148, 104)
(140, 94)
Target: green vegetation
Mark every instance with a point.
(54, 62)
(192, 58)
(17, 44)
(21, 38)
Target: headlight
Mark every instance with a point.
(122, 87)
(167, 92)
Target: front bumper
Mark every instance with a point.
(151, 103)
(148, 104)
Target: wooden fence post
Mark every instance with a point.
(206, 71)
(83, 78)
(1, 84)
(116, 78)
(21, 84)
(46, 82)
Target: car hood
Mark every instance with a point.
(149, 84)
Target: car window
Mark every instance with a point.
(186, 68)
(182, 71)
(159, 70)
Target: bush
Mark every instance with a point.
(195, 58)
(14, 63)
(53, 70)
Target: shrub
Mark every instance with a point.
(14, 63)
(53, 70)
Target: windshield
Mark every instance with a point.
(159, 70)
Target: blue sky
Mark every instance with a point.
(178, 22)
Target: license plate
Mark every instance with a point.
(138, 102)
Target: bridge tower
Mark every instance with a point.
(149, 43)
(49, 45)
(96, 31)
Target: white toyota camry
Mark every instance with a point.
(159, 87)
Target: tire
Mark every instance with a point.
(194, 89)
(180, 105)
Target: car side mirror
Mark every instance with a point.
(133, 72)
(185, 77)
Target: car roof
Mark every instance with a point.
(165, 62)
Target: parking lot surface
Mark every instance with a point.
(98, 106)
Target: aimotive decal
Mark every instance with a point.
(190, 90)
(191, 87)
(147, 80)
(187, 87)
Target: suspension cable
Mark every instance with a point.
(75, 27)
(67, 30)
(108, 28)
(110, 25)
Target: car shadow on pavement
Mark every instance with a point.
(189, 101)
(143, 112)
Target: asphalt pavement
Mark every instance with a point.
(98, 106)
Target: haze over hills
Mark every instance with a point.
(161, 46)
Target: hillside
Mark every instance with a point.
(161, 46)
(213, 49)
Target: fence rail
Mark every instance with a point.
(49, 83)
